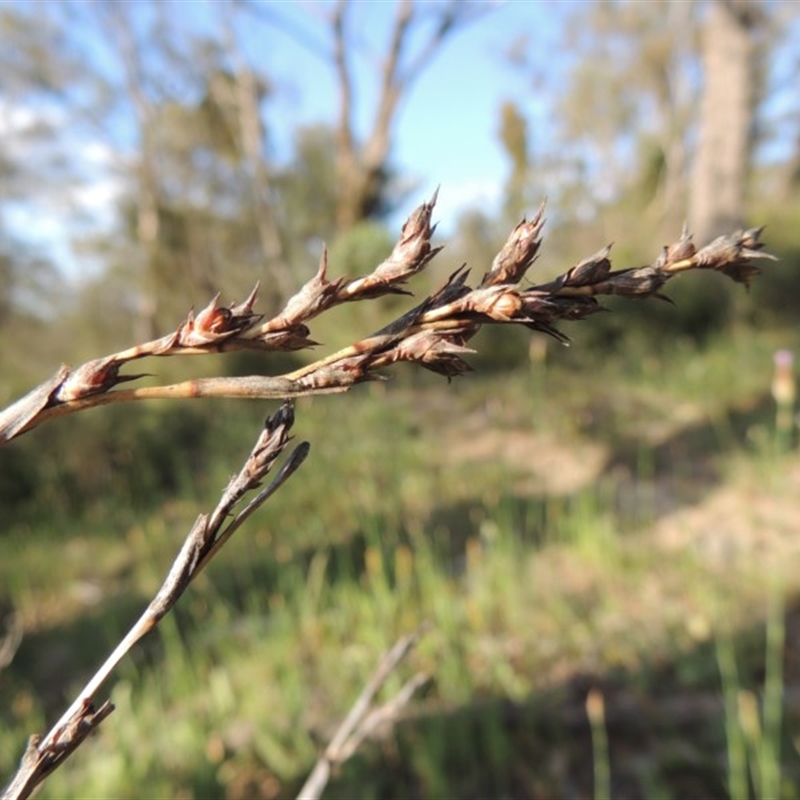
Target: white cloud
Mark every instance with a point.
(52, 203)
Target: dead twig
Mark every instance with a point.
(360, 721)
(209, 533)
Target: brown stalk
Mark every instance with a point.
(208, 534)
(433, 334)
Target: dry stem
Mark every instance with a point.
(434, 334)
(360, 722)
(203, 541)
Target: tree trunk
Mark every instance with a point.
(721, 164)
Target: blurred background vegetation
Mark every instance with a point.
(621, 515)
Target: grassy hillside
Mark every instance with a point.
(621, 524)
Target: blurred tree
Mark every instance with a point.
(514, 138)
(727, 115)
(32, 160)
(200, 191)
(6, 286)
(629, 122)
(365, 186)
(31, 295)
(671, 121)
(362, 165)
(247, 91)
(307, 188)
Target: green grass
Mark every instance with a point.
(754, 735)
(402, 515)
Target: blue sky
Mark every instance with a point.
(447, 127)
(447, 131)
